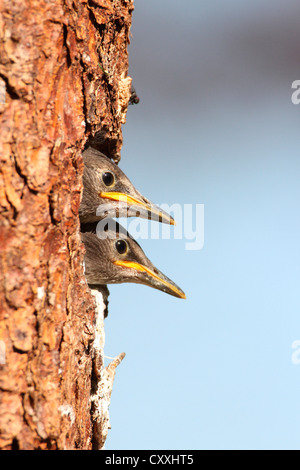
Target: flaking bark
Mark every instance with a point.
(63, 82)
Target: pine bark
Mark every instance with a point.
(63, 83)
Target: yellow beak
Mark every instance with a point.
(162, 282)
(132, 201)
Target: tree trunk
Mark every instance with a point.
(63, 83)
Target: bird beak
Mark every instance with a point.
(153, 279)
(143, 208)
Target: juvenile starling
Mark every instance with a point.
(113, 257)
(107, 192)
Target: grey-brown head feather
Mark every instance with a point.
(102, 258)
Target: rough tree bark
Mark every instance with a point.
(63, 82)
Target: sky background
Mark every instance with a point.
(215, 126)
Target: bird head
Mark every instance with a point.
(107, 192)
(113, 256)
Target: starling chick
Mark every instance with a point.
(107, 192)
(113, 257)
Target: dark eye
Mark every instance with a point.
(108, 178)
(121, 246)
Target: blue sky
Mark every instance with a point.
(215, 126)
